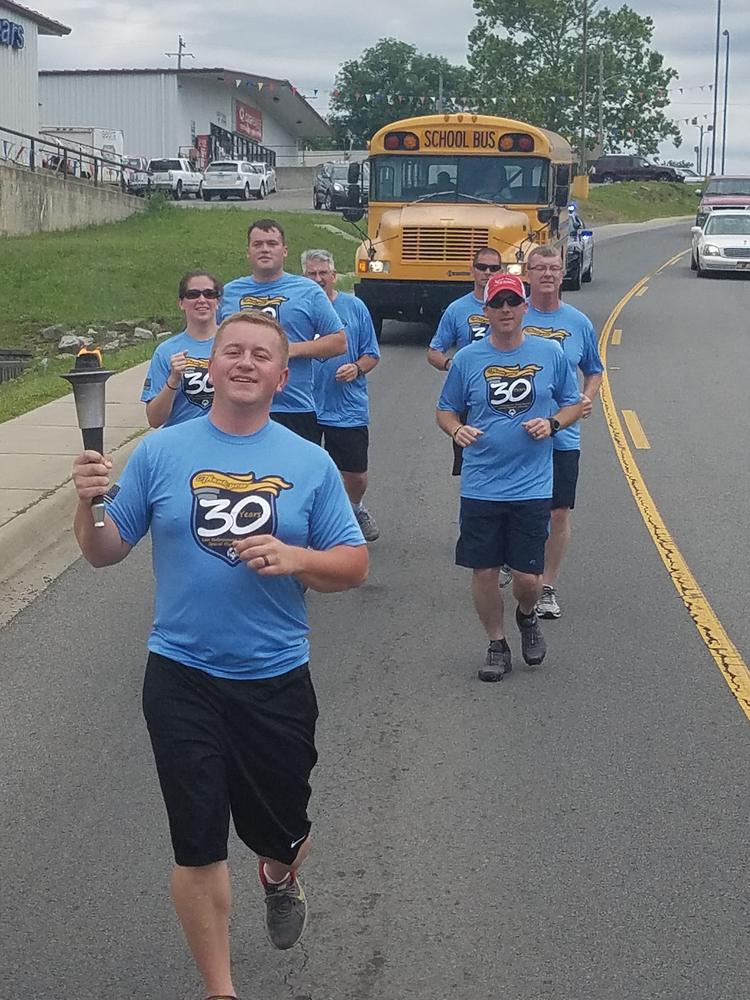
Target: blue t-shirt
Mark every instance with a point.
(345, 404)
(303, 310)
(195, 395)
(462, 323)
(198, 489)
(574, 332)
(500, 391)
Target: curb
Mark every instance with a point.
(39, 544)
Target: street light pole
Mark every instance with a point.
(716, 83)
(726, 94)
(585, 28)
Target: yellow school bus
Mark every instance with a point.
(441, 187)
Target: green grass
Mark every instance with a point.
(633, 201)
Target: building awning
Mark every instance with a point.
(278, 98)
(45, 25)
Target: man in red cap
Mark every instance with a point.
(518, 392)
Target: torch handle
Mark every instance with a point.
(93, 440)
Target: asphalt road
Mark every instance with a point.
(578, 832)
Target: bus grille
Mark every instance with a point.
(437, 243)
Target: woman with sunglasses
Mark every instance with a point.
(177, 387)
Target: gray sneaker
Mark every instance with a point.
(533, 646)
(497, 661)
(286, 911)
(547, 606)
(505, 577)
(368, 524)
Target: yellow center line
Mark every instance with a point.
(642, 291)
(637, 432)
(617, 338)
(725, 654)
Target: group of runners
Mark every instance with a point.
(246, 512)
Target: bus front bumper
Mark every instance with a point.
(409, 300)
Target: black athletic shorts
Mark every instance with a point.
(565, 478)
(301, 422)
(222, 747)
(503, 533)
(347, 446)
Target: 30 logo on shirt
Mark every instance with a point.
(269, 304)
(510, 389)
(478, 326)
(547, 333)
(228, 506)
(196, 386)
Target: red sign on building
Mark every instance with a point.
(248, 121)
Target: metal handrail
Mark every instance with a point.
(65, 156)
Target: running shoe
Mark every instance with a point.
(547, 606)
(505, 577)
(533, 646)
(367, 523)
(286, 910)
(497, 661)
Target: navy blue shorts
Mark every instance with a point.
(564, 478)
(503, 533)
(301, 422)
(347, 446)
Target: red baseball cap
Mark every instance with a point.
(504, 283)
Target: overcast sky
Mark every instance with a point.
(306, 42)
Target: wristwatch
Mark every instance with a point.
(554, 426)
(359, 370)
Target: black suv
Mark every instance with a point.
(331, 186)
(627, 167)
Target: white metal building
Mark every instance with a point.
(19, 30)
(163, 112)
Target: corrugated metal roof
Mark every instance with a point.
(45, 25)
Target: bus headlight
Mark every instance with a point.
(515, 268)
(379, 266)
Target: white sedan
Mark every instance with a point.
(269, 176)
(722, 243)
(233, 179)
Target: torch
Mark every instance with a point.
(88, 378)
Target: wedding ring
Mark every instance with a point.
(265, 561)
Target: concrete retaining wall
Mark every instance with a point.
(40, 202)
(293, 178)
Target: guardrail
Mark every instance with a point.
(13, 361)
(38, 153)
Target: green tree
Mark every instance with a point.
(389, 81)
(528, 54)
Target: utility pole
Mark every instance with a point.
(584, 87)
(439, 107)
(601, 102)
(179, 53)
(726, 95)
(716, 84)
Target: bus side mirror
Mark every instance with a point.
(355, 172)
(353, 214)
(562, 197)
(545, 214)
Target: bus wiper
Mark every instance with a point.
(483, 201)
(432, 194)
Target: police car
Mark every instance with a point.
(579, 257)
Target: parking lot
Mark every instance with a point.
(293, 200)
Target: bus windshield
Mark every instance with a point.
(506, 180)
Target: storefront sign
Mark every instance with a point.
(248, 121)
(11, 34)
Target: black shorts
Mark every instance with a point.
(503, 533)
(347, 446)
(301, 422)
(564, 478)
(222, 747)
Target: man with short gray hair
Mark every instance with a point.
(340, 388)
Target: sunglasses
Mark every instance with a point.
(509, 299)
(492, 268)
(207, 293)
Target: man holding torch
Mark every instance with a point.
(244, 515)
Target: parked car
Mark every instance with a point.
(269, 176)
(629, 167)
(136, 174)
(579, 255)
(331, 185)
(722, 243)
(690, 176)
(234, 179)
(722, 192)
(177, 175)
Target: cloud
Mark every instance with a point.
(306, 43)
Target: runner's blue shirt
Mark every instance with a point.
(303, 310)
(462, 323)
(195, 394)
(198, 490)
(500, 391)
(574, 332)
(345, 404)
